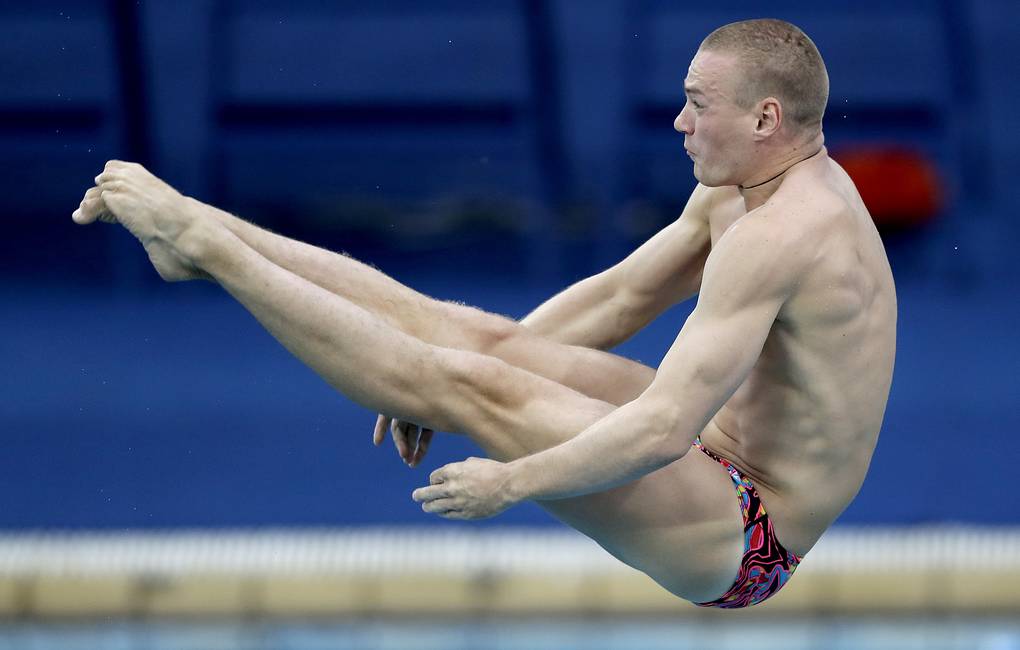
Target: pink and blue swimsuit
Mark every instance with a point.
(766, 565)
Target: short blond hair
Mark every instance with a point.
(778, 60)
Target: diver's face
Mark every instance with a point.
(717, 131)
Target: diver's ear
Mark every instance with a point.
(770, 118)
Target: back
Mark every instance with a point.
(804, 423)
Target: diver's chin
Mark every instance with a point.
(704, 179)
(711, 181)
(698, 174)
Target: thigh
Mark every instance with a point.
(602, 375)
(681, 524)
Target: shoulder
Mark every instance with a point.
(797, 220)
(765, 252)
(810, 204)
(704, 200)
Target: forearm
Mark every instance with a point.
(587, 313)
(400, 306)
(635, 439)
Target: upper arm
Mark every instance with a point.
(608, 308)
(668, 267)
(747, 278)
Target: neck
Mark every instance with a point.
(763, 184)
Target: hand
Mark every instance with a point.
(157, 214)
(412, 441)
(476, 488)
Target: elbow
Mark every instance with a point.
(674, 447)
(671, 438)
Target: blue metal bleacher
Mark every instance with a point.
(391, 118)
(63, 112)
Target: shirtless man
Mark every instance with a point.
(776, 385)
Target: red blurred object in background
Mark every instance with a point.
(900, 187)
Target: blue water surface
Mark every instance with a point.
(772, 634)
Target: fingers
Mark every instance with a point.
(402, 434)
(436, 499)
(430, 493)
(440, 475)
(382, 424)
(446, 496)
(447, 508)
(438, 487)
(443, 507)
(422, 446)
(411, 440)
(457, 514)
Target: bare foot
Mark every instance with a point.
(170, 264)
(155, 213)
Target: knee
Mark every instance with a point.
(478, 386)
(480, 376)
(484, 332)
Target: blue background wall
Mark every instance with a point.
(486, 152)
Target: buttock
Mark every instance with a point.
(766, 565)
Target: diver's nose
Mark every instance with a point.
(681, 124)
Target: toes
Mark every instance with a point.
(84, 215)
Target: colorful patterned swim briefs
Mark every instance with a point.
(766, 565)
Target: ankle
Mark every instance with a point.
(201, 238)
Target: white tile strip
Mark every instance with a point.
(454, 549)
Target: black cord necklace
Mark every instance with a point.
(751, 187)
